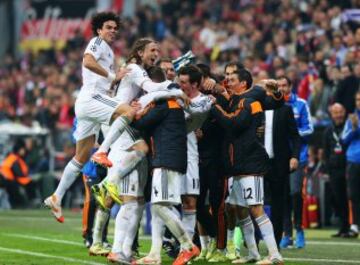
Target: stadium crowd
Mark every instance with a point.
(316, 45)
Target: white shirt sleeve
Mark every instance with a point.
(95, 48)
(140, 78)
(137, 74)
(149, 86)
(163, 94)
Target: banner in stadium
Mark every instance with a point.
(53, 20)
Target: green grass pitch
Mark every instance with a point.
(33, 237)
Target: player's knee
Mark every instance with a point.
(230, 209)
(109, 202)
(81, 158)
(189, 202)
(256, 210)
(126, 199)
(242, 212)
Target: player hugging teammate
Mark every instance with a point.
(172, 116)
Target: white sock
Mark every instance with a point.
(189, 221)
(267, 232)
(71, 172)
(247, 227)
(173, 223)
(230, 235)
(204, 241)
(157, 232)
(121, 227)
(116, 129)
(135, 213)
(100, 221)
(127, 164)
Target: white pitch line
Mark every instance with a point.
(332, 243)
(38, 218)
(60, 241)
(68, 242)
(342, 261)
(42, 255)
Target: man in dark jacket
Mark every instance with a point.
(247, 161)
(334, 156)
(282, 143)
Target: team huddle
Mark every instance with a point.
(155, 119)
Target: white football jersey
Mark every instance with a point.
(130, 85)
(197, 112)
(199, 108)
(192, 147)
(104, 56)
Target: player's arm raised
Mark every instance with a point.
(90, 63)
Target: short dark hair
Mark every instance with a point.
(156, 74)
(286, 78)
(238, 65)
(98, 20)
(244, 75)
(205, 69)
(139, 45)
(194, 73)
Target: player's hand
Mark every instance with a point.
(268, 84)
(219, 89)
(271, 85)
(185, 99)
(121, 73)
(294, 163)
(134, 108)
(135, 105)
(354, 121)
(212, 98)
(209, 84)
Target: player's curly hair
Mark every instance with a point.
(139, 45)
(99, 19)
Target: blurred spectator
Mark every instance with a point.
(37, 157)
(345, 93)
(14, 175)
(335, 164)
(319, 101)
(77, 42)
(351, 137)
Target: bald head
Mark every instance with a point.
(337, 113)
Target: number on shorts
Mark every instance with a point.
(247, 194)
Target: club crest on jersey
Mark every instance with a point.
(93, 48)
